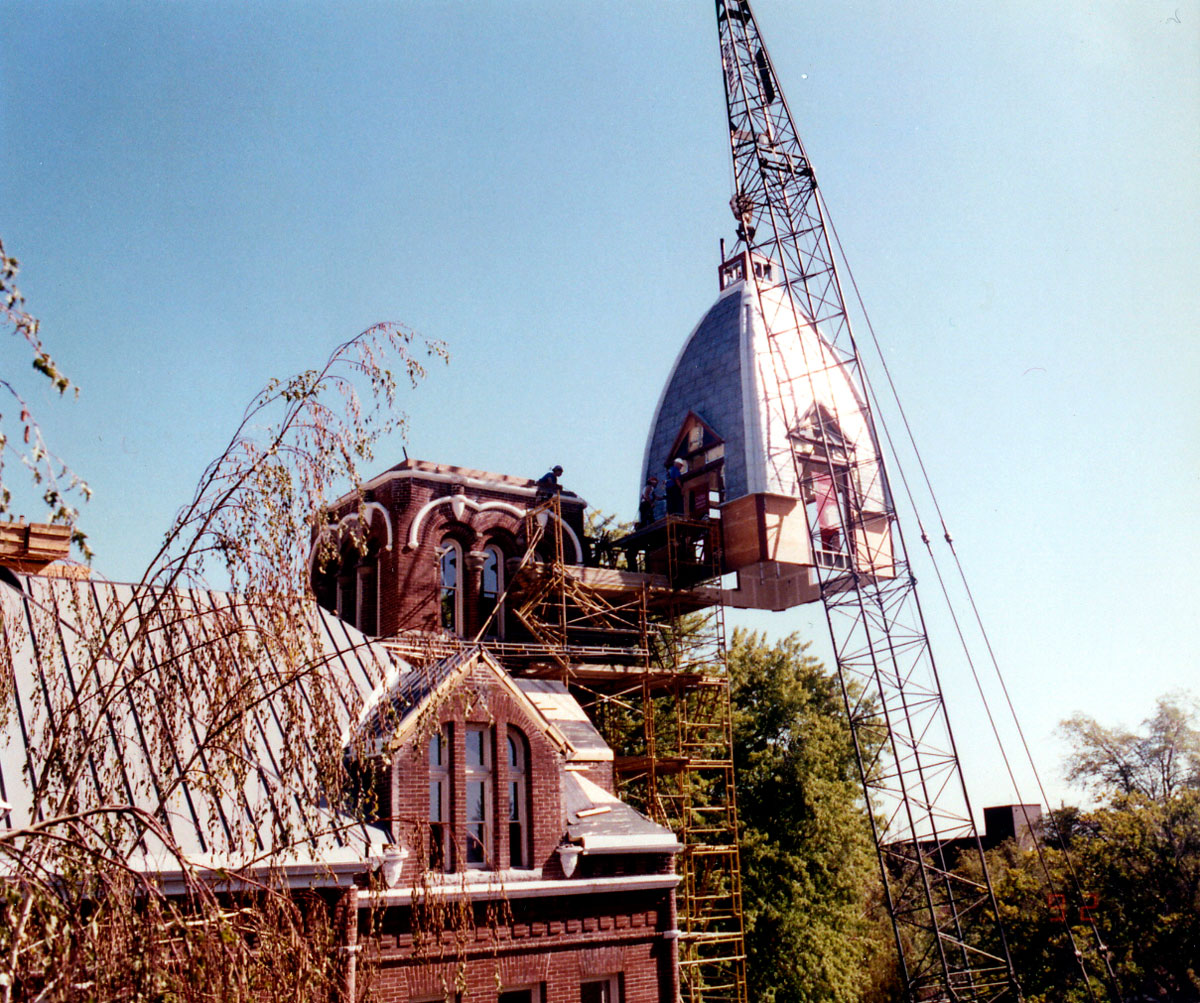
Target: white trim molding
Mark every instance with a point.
(459, 503)
(367, 507)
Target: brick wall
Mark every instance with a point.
(482, 700)
(407, 579)
(553, 944)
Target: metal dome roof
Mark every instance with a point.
(728, 376)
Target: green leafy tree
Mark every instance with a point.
(814, 930)
(1160, 761)
(1130, 867)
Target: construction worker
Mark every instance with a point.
(548, 485)
(675, 487)
(646, 504)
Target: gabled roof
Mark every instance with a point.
(392, 715)
(181, 705)
(710, 437)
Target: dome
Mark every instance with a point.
(772, 437)
(727, 377)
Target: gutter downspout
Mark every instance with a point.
(348, 907)
(670, 937)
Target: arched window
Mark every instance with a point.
(347, 607)
(479, 795)
(491, 585)
(451, 586)
(439, 799)
(518, 800)
(368, 592)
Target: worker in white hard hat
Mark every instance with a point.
(675, 487)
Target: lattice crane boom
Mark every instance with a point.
(947, 931)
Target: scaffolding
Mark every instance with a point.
(643, 648)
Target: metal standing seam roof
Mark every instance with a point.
(729, 375)
(144, 700)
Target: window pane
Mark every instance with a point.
(491, 573)
(487, 603)
(435, 751)
(516, 845)
(596, 992)
(514, 801)
(475, 854)
(476, 801)
(435, 801)
(437, 844)
(449, 590)
(476, 751)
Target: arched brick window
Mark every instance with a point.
(451, 567)
(491, 586)
(519, 834)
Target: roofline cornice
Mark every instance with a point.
(481, 890)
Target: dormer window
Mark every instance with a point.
(439, 799)
(476, 845)
(518, 799)
(479, 795)
(829, 513)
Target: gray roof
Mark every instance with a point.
(185, 706)
(706, 379)
(392, 709)
(747, 376)
(403, 691)
(601, 823)
(552, 698)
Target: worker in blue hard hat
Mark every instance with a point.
(547, 484)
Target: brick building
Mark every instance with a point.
(483, 855)
(481, 764)
(427, 547)
(527, 880)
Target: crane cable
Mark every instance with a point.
(1071, 869)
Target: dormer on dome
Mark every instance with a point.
(702, 451)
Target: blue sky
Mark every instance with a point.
(204, 196)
